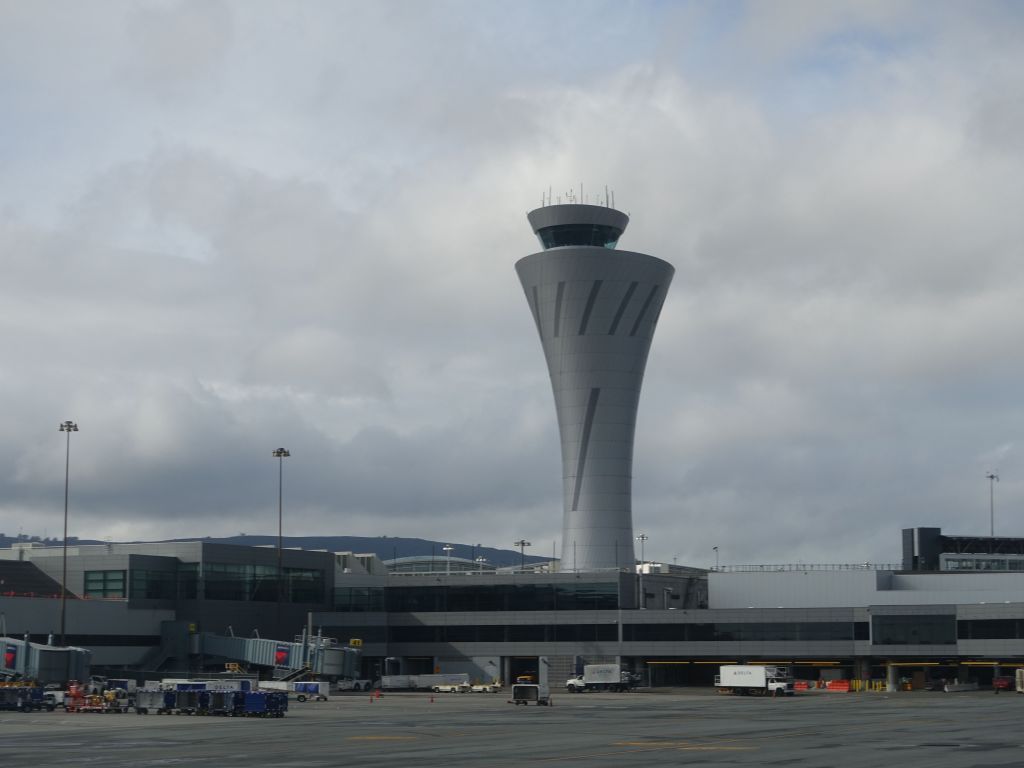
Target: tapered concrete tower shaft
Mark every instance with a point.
(595, 309)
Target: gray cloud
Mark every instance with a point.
(231, 226)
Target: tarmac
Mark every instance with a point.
(669, 728)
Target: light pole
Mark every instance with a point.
(68, 427)
(280, 454)
(480, 563)
(716, 557)
(522, 544)
(642, 538)
(447, 559)
(993, 478)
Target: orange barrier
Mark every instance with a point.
(801, 685)
(838, 685)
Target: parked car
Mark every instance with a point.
(1002, 683)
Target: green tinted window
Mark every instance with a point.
(105, 584)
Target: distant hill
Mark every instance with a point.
(385, 547)
(8, 541)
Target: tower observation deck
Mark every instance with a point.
(595, 308)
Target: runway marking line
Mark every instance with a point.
(716, 749)
(681, 745)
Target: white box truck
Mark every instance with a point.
(600, 677)
(304, 690)
(756, 679)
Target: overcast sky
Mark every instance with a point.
(227, 227)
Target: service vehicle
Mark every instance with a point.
(304, 690)
(1002, 683)
(530, 693)
(354, 684)
(396, 682)
(427, 682)
(225, 684)
(601, 677)
(451, 688)
(423, 682)
(21, 697)
(485, 688)
(125, 684)
(116, 700)
(756, 679)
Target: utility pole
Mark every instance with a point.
(642, 538)
(280, 454)
(522, 544)
(68, 427)
(993, 478)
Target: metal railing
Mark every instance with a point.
(766, 568)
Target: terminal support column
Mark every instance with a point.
(862, 669)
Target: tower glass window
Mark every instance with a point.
(579, 234)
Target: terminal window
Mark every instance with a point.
(913, 630)
(105, 584)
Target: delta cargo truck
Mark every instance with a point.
(754, 679)
(601, 677)
(303, 689)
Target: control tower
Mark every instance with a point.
(595, 308)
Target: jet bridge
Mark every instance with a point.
(45, 663)
(319, 656)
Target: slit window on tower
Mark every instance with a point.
(581, 461)
(536, 310)
(559, 295)
(643, 310)
(600, 235)
(622, 308)
(590, 306)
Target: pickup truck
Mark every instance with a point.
(451, 688)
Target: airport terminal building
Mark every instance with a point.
(147, 607)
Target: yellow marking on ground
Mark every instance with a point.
(684, 745)
(650, 743)
(716, 749)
